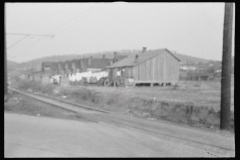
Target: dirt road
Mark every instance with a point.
(31, 136)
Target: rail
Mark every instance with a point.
(190, 141)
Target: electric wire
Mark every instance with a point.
(82, 13)
(59, 28)
(45, 17)
(17, 42)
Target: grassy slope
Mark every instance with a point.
(193, 104)
(24, 105)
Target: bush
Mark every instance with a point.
(81, 94)
(35, 86)
(26, 84)
(176, 86)
(113, 98)
(136, 106)
(197, 85)
(48, 88)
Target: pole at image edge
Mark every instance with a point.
(5, 60)
(226, 68)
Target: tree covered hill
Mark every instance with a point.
(36, 63)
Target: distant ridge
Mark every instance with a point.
(36, 63)
(12, 64)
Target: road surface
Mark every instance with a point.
(32, 136)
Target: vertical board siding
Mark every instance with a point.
(128, 73)
(154, 69)
(162, 68)
(135, 73)
(148, 70)
(172, 68)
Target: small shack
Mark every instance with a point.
(148, 67)
(46, 66)
(68, 67)
(54, 68)
(76, 65)
(37, 76)
(61, 68)
(64, 81)
(45, 78)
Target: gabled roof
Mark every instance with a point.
(54, 66)
(97, 62)
(46, 64)
(68, 63)
(119, 58)
(61, 64)
(77, 62)
(130, 60)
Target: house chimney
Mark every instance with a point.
(104, 56)
(136, 58)
(115, 57)
(144, 49)
(89, 61)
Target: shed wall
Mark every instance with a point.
(150, 70)
(172, 68)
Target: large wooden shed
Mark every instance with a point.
(155, 66)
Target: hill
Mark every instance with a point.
(189, 59)
(11, 68)
(185, 59)
(12, 65)
(108, 54)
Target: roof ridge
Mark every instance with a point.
(142, 56)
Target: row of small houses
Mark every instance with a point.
(147, 67)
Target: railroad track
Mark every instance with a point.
(211, 147)
(59, 100)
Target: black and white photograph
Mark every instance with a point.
(119, 79)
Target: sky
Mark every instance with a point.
(194, 29)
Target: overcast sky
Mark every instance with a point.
(194, 29)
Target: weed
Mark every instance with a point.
(48, 88)
(197, 85)
(176, 86)
(113, 98)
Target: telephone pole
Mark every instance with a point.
(226, 68)
(5, 68)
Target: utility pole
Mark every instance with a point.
(5, 66)
(5, 59)
(226, 68)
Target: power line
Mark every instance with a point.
(21, 34)
(45, 17)
(31, 45)
(25, 36)
(17, 42)
(57, 30)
